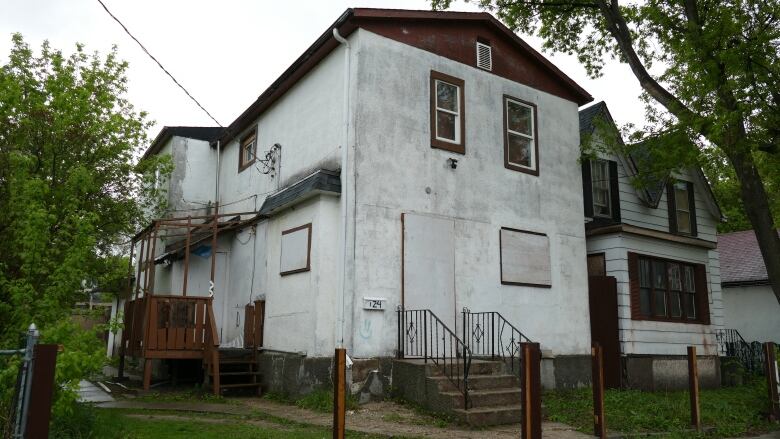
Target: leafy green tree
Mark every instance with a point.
(717, 81)
(70, 197)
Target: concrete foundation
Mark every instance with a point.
(669, 372)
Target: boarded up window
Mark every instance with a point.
(597, 265)
(525, 258)
(296, 250)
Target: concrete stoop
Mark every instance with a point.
(494, 395)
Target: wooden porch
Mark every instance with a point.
(178, 326)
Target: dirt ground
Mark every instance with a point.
(380, 418)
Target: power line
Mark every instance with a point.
(158, 63)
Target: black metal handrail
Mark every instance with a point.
(489, 334)
(731, 344)
(421, 334)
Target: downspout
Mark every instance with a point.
(344, 193)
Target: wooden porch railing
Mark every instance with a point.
(254, 323)
(173, 327)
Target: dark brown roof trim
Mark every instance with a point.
(649, 233)
(350, 20)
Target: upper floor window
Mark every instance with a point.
(248, 151)
(447, 113)
(667, 290)
(599, 170)
(682, 208)
(521, 148)
(601, 189)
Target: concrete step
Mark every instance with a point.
(486, 416)
(478, 367)
(478, 382)
(486, 398)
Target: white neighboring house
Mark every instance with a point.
(659, 243)
(749, 305)
(427, 161)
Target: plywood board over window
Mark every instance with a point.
(296, 250)
(525, 258)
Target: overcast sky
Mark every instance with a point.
(227, 52)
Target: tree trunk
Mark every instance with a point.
(757, 209)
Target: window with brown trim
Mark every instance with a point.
(521, 147)
(295, 250)
(448, 127)
(248, 152)
(668, 290)
(682, 208)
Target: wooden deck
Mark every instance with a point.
(170, 327)
(181, 328)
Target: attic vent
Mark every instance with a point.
(484, 56)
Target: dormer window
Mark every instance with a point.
(601, 191)
(248, 151)
(682, 208)
(599, 171)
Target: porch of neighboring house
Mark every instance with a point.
(174, 326)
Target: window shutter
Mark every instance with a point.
(692, 207)
(633, 280)
(671, 207)
(587, 188)
(702, 297)
(614, 190)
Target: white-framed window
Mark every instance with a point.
(600, 179)
(447, 113)
(248, 151)
(520, 143)
(682, 207)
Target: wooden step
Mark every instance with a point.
(225, 374)
(238, 385)
(236, 361)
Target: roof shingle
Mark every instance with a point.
(740, 259)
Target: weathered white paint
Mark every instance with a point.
(753, 311)
(393, 170)
(429, 266)
(397, 171)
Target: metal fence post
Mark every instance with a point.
(24, 397)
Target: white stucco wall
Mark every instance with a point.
(753, 311)
(651, 337)
(300, 309)
(395, 164)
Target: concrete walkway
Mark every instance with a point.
(385, 419)
(89, 392)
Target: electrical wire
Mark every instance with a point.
(159, 64)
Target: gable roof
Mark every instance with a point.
(650, 193)
(741, 262)
(419, 29)
(200, 133)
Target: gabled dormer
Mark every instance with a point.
(679, 205)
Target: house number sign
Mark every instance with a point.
(374, 303)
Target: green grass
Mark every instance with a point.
(318, 401)
(726, 412)
(115, 424)
(195, 394)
